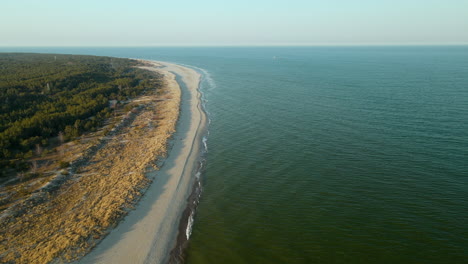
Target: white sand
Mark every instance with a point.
(148, 233)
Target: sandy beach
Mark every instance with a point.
(149, 232)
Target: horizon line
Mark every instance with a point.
(239, 45)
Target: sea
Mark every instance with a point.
(327, 154)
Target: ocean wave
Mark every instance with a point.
(188, 231)
(204, 140)
(206, 76)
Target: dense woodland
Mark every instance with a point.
(46, 95)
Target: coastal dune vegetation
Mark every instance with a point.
(44, 95)
(78, 134)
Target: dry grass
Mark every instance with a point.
(72, 220)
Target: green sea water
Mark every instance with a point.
(335, 155)
(329, 154)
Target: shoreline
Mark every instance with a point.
(152, 231)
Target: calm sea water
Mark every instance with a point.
(329, 154)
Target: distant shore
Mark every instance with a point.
(149, 233)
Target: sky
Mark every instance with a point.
(232, 23)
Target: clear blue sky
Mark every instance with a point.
(240, 22)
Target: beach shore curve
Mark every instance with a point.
(149, 233)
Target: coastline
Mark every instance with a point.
(107, 176)
(149, 233)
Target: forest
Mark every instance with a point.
(45, 96)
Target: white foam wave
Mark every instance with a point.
(188, 231)
(204, 140)
(209, 80)
(206, 75)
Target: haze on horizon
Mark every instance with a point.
(233, 23)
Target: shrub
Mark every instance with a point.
(64, 164)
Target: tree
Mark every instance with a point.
(61, 137)
(61, 148)
(39, 99)
(34, 167)
(39, 149)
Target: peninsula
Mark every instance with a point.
(137, 148)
